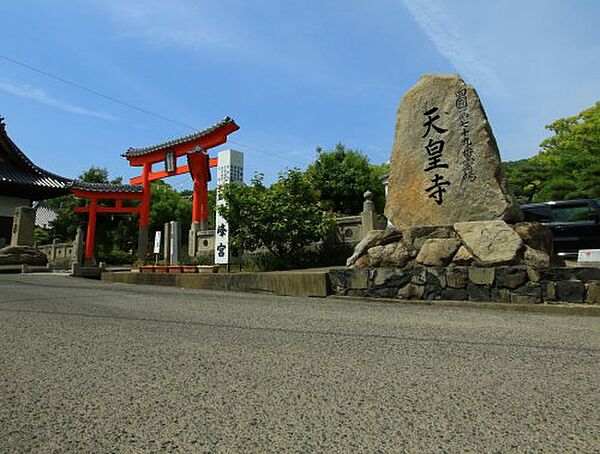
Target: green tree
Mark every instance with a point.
(284, 218)
(342, 176)
(526, 177)
(589, 187)
(95, 175)
(42, 236)
(169, 205)
(575, 145)
(568, 164)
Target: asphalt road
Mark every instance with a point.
(87, 366)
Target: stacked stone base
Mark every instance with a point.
(504, 284)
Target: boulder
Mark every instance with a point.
(457, 277)
(481, 275)
(445, 165)
(411, 292)
(393, 255)
(570, 291)
(363, 261)
(22, 255)
(490, 242)
(535, 235)
(463, 257)
(592, 295)
(535, 258)
(530, 293)
(438, 251)
(361, 248)
(417, 235)
(374, 238)
(511, 277)
(390, 235)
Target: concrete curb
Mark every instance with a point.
(308, 283)
(314, 284)
(545, 308)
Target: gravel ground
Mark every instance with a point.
(96, 367)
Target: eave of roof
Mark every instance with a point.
(131, 152)
(15, 175)
(26, 172)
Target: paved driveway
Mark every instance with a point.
(90, 366)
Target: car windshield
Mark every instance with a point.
(573, 213)
(539, 213)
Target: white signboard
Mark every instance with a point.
(588, 255)
(157, 237)
(230, 169)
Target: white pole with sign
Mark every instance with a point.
(157, 236)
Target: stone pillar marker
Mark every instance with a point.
(166, 242)
(193, 238)
(55, 241)
(368, 215)
(174, 242)
(23, 225)
(78, 249)
(445, 164)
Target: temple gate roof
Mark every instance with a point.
(20, 177)
(132, 152)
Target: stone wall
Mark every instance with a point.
(505, 284)
(59, 254)
(348, 230)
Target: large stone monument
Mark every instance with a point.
(445, 165)
(457, 233)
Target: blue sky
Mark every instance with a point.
(293, 74)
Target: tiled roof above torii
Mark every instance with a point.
(132, 152)
(106, 187)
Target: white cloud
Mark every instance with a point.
(37, 94)
(211, 27)
(180, 23)
(441, 28)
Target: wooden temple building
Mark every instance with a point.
(22, 182)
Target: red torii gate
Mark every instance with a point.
(194, 146)
(93, 193)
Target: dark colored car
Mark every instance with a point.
(575, 224)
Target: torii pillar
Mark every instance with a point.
(199, 164)
(144, 212)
